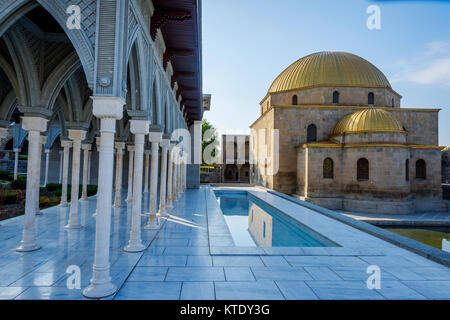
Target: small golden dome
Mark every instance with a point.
(329, 69)
(368, 120)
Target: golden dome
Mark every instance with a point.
(329, 69)
(368, 120)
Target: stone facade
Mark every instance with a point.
(446, 166)
(235, 163)
(299, 163)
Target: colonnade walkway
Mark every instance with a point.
(178, 263)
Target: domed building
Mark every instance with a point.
(331, 132)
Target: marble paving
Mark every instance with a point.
(179, 262)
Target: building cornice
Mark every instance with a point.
(374, 145)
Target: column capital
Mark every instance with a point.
(97, 142)
(76, 134)
(66, 143)
(147, 152)
(86, 146)
(34, 124)
(165, 143)
(16, 149)
(119, 145)
(47, 150)
(139, 126)
(155, 136)
(107, 107)
(130, 148)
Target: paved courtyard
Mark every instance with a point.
(412, 219)
(191, 257)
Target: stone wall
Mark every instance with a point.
(258, 173)
(348, 96)
(388, 189)
(446, 166)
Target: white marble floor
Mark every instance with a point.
(179, 262)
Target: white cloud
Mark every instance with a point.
(429, 67)
(436, 47)
(437, 72)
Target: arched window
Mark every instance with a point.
(311, 133)
(421, 169)
(336, 97)
(328, 168)
(370, 98)
(392, 102)
(362, 171)
(407, 169)
(294, 100)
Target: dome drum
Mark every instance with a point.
(371, 125)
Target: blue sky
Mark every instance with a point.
(247, 43)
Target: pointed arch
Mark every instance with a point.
(10, 13)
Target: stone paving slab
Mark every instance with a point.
(181, 261)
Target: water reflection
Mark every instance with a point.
(252, 224)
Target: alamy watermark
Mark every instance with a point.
(374, 280)
(73, 22)
(73, 281)
(374, 20)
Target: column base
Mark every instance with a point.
(95, 213)
(153, 222)
(28, 247)
(39, 213)
(163, 213)
(64, 204)
(94, 291)
(128, 200)
(83, 199)
(135, 247)
(119, 205)
(73, 226)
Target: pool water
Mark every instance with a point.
(431, 236)
(252, 223)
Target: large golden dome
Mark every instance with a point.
(368, 120)
(329, 69)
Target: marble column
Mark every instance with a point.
(169, 176)
(74, 218)
(89, 167)
(66, 144)
(61, 157)
(43, 140)
(16, 162)
(97, 142)
(146, 173)
(174, 178)
(120, 146)
(86, 147)
(165, 143)
(47, 159)
(130, 149)
(179, 177)
(108, 110)
(155, 139)
(34, 126)
(139, 128)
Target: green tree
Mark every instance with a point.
(211, 137)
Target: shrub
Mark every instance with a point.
(91, 190)
(53, 186)
(6, 175)
(23, 157)
(57, 193)
(8, 198)
(20, 184)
